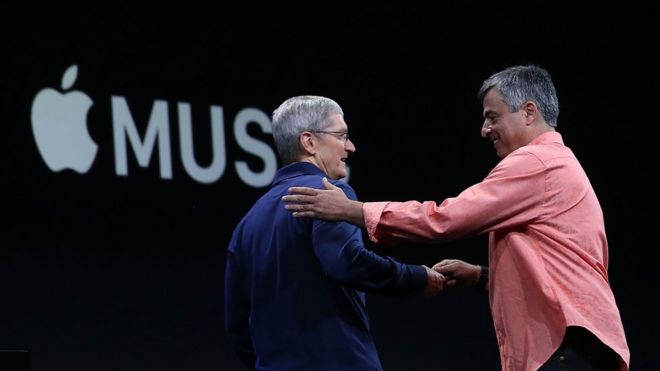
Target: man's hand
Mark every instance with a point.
(435, 283)
(329, 204)
(458, 272)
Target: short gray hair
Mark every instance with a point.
(519, 84)
(298, 114)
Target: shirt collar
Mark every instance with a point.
(296, 169)
(548, 137)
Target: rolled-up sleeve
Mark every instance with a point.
(511, 194)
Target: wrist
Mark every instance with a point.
(357, 214)
(482, 282)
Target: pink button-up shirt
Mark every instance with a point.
(547, 249)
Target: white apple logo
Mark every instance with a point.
(59, 125)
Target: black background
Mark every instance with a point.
(105, 272)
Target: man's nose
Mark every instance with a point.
(349, 146)
(485, 130)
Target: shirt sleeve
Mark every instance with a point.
(512, 194)
(237, 307)
(344, 258)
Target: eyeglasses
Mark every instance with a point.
(341, 135)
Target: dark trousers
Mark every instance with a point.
(582, 351)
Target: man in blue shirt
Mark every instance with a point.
(294, 287)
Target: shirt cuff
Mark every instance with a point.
(372, 212)
(419, 276)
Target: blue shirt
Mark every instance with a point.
(294, 287)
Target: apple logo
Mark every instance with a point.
(59, 125)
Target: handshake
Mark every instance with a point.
(453, 273)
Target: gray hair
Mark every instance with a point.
(520, 84)
(298, 114)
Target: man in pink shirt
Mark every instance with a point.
(551, 302)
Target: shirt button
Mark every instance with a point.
(561, 358)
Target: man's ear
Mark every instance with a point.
(531, 112)
(307, 143)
